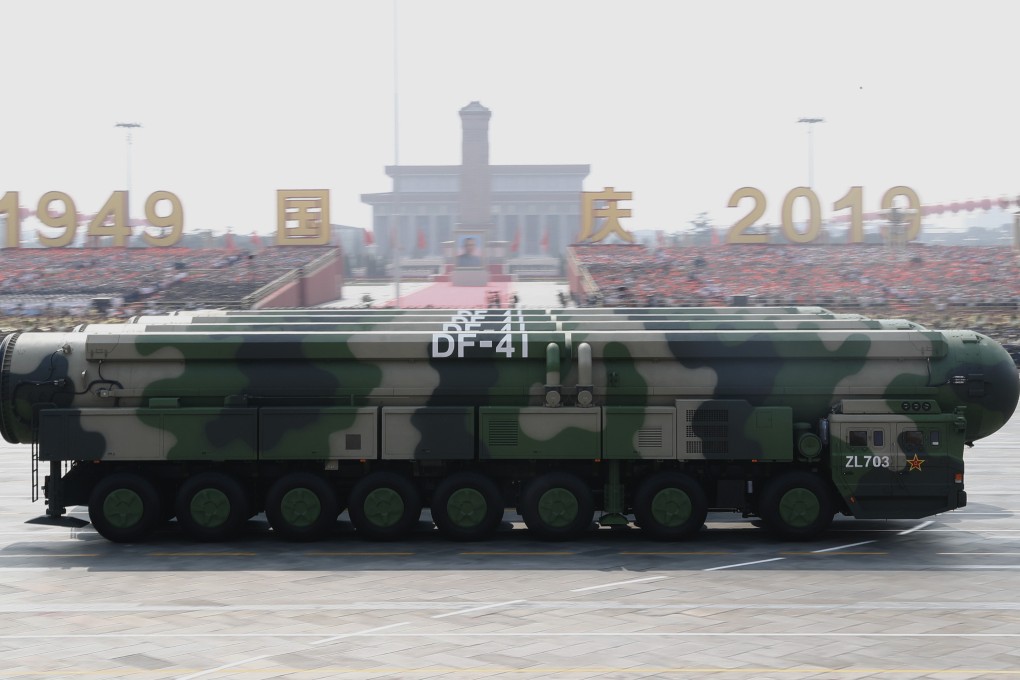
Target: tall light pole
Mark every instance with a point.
(128, 128)
(395, 216)
(811, 149)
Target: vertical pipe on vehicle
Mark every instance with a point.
(585, 387)
(552, 375)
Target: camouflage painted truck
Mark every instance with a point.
(542, 324)
(358, 313)
(663, 426)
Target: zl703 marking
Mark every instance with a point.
(867, 462)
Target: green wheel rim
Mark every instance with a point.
(123, 508)
(384, 507)
(466, 507)
(210, 508)
(799, 508)
(557, 508)
(300, 507)
(672, 507)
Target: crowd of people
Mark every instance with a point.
(49, 287)
(849, 275)
(941, 287)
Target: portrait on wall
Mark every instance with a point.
(469, 250)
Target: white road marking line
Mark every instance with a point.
(917, 528)
(576, 605)
(617, 583)
(842, 547)
(370, 631)
(929, 531)
(743, 564)
(479, 608)
(43, 530)
(986, 566)
(375, 632)
(1004, 512)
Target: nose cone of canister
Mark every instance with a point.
(998, 391)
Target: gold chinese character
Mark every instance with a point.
(607, 209)
(302, 217)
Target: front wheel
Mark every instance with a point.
(796, 506)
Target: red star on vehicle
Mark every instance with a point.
(915, 463)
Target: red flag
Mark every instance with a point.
(369, 237)
(421, 239)
(517, 242)
(545, 240)
(715, 237)
(228, 241)
(256, 240)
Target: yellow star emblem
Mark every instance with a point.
(915, 463)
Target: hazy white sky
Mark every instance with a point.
(681, 103)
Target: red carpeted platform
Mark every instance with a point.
(443, 295)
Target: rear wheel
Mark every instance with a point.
(796, 506)
(124, 507)
(301, 507)
(557, 506)
(670, 506)
(467, 506)
(211, 506)
(384, 506)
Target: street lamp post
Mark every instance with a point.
(395, 217)
(811, 149)
(128, 128)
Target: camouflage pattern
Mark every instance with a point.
(662, 419)
(221, 314)
(533, 324)
(464, 316)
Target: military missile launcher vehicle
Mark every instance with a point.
(483, 412)
(541, 324)
(527, 312)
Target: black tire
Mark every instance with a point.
(125, 507)
(558, 506)
(796, 506)
(467, 506)
(301, 506)
(670, 506)
(211, 506)
(384, 506)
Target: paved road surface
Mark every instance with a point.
(898, 599)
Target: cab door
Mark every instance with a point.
(922, 460)
(861, 456)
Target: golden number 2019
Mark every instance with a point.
(852, 200)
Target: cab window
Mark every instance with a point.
(912, 441)
(857, 438)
